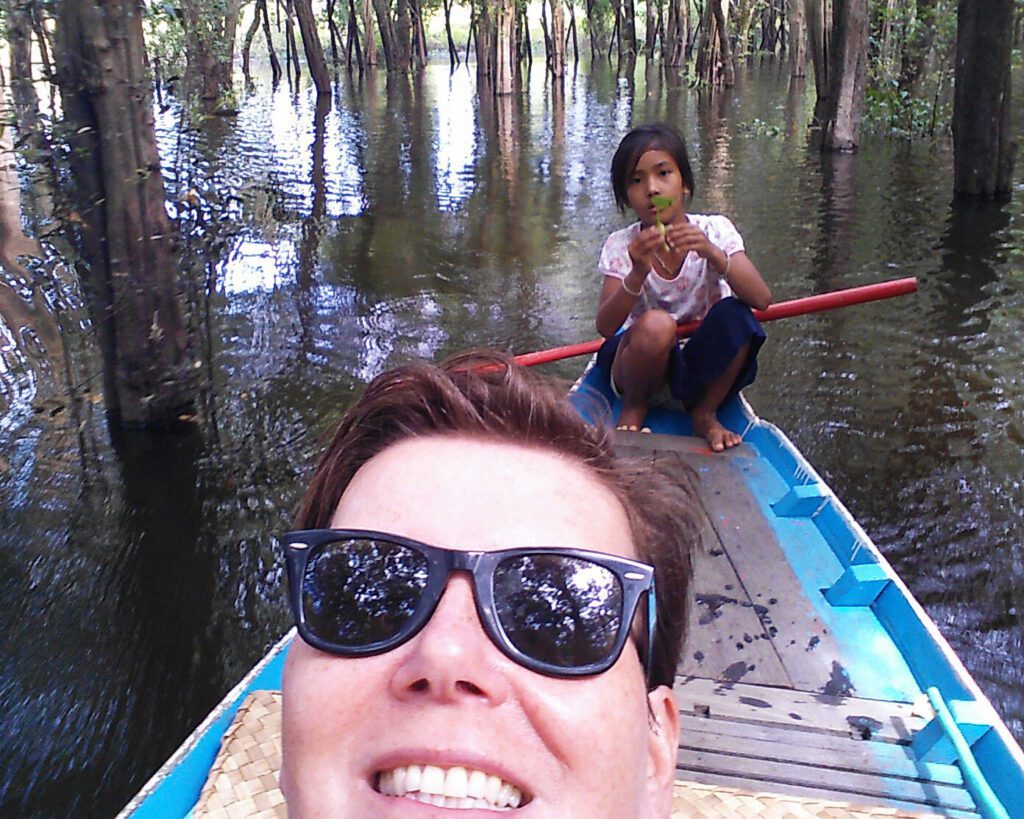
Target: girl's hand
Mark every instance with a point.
(684, 237)
(643, 248)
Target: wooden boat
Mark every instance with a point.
(810, 674)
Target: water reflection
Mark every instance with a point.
(140, 578)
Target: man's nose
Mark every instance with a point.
(452, 659)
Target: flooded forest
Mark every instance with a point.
(219, 219)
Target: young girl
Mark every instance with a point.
(692, 268)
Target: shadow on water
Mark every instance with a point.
(140, 575)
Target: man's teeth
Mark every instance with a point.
(455, 787)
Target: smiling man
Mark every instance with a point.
(491, 608)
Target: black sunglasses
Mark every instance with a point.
(561, 612)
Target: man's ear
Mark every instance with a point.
(662, 749)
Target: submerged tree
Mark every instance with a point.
(983, 152)
(847, 75)
(128, 267)
(210, 27)
(311, 45)
(819, 36)
(714, 54)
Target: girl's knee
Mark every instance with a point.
(655, 328)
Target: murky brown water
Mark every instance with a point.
(139, 578)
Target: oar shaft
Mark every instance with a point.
(784, 309)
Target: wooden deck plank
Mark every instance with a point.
(726, 639)
(812, 658)
(852, 757)
(799, 710)
(849, 785)
(808, 792)
(897, 759)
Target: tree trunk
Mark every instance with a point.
(572, 32)
(819, 36)
(275, 64)
(453, 52)
(387, 33)
(557, 62)
(674, 43)
(208, 53)
(486, 45)
(712, 37)
(419, 32)
(369, 40)
(353, 37)
(291, 48)
(403, 37)
(505, 58)
(128, 265)
(797, 39)
(848, 75)
(311, 45)
(744, 17)
(332, 30)
(915, 51)
(725, 49)
(651, 35)
(595, 45)
(887, 37)
(627, 30)
(23, 92)
(229, 34)
(250, 35)
(524, 45)
(43, 40)
(983, 152)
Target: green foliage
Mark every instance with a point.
(759, 128)
(165, 36)
(602, 18)
(896, 112)
(910, 80)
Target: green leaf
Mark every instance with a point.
(662, 202)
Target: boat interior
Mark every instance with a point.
(769, 694)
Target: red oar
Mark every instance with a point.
(784, 309)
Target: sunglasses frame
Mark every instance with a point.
(635, 578)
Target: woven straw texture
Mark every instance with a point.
(243, 781)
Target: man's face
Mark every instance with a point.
(448, 703)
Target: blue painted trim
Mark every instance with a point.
(984, 797)
(801, 501)
(175, 789)
(859, 585)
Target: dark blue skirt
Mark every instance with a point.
(728, 326)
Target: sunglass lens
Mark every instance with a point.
(359, 592)
(563, 611)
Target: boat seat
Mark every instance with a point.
(243, 780)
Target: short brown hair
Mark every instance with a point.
(486, 394)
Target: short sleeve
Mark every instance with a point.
(722, 232)
(614, 259)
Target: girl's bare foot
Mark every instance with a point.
(631, 417)
(706, 425)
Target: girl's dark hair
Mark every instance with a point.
(653, 136)
(487, 395)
